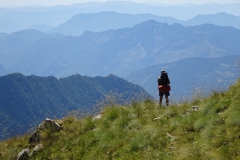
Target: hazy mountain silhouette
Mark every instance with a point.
(125, 50)
(13, 46)
(18, 41)
(103, 21)
(221, 19)
(15, 19)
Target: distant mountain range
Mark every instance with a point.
(115, 51)
(98, 22)
(221, 19)
(15, 19)
(27, 100)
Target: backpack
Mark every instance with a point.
(164, 79)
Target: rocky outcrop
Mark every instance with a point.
(35, 139)
(47, 124)
(23, 155)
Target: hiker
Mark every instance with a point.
(163, 87)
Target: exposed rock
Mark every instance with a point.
(23, 155)
(50, 124)
(35, 137)
(97, 117)
(38, 147)
(158, 118)
(195, 108)
(47, 124)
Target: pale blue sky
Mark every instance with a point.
(67, 2)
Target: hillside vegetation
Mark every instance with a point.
(206, 128)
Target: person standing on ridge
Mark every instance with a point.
(163, 87)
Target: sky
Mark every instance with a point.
(68, 2)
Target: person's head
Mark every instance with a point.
(163, 71)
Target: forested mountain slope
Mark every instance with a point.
(26, 100)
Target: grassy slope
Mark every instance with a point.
(130, 132)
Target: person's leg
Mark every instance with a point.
(160, 101)
(167, 100)
(166, 96)
(160, 98)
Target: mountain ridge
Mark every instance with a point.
(14, 19)
(125, 50)
(26, 100)
(106, 19)
(221, 19)
(91, 21)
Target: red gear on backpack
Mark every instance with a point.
(164, 88)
